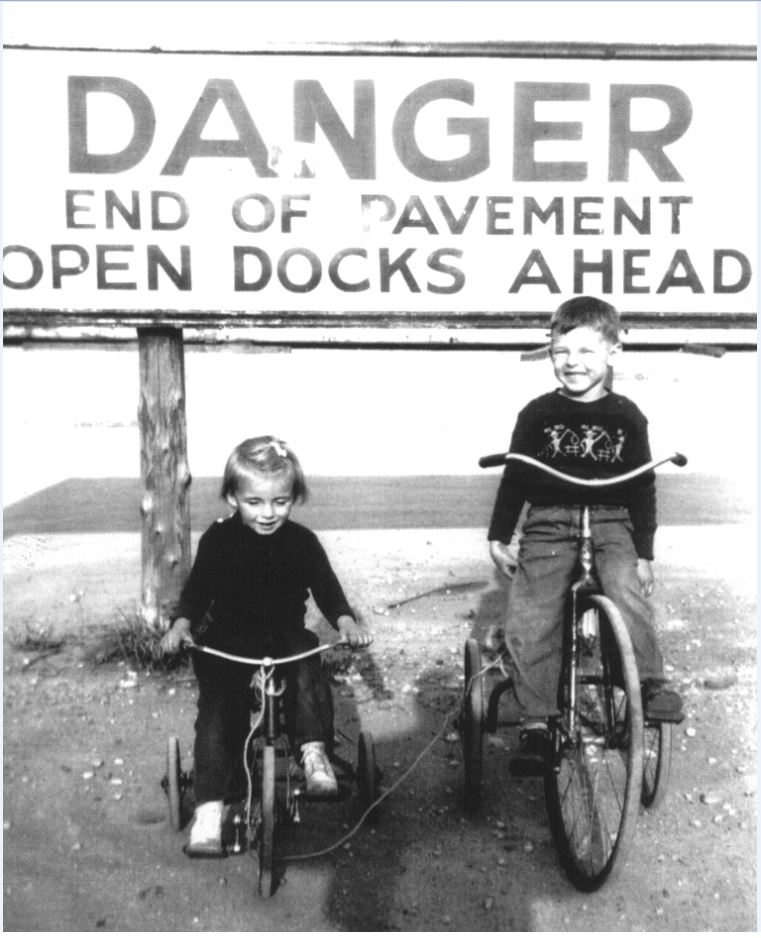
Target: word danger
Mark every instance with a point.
(356, 148)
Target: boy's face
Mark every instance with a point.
(580, 359)
(264, 500)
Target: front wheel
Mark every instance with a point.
(657, 763)
(367, 776)
(593, 788)
(471, 726)
(267, 830)
(174, 783)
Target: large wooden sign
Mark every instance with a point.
(456, 189)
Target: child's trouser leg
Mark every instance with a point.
(536, 606)
(616, 562)
(222, 724)
(534, 626)
(309, 702)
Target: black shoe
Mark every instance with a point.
(661, 704)
(533, 756)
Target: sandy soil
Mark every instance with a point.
(87, 845)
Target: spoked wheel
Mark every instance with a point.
(471, 725)
(267, 828)
(174, 783)
(593, 790)
(367, 776)
(656, 763)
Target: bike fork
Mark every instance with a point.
(270, 702)
(585, 583)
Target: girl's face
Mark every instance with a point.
(264, 500)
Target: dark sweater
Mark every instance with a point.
(598, 439)
(247, 592)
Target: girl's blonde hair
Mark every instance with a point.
(263, 454)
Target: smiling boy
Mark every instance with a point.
(585, 430)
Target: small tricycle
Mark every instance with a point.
(275, 782)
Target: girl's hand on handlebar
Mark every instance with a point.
(178, 635)
(504, 556)
(645, 576)
(353, 633)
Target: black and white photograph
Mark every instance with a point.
(380, 465)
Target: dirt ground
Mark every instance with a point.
(87, 845)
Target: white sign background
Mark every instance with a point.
(670, 270)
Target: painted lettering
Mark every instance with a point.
(528, 131)
(356, 150)
(168, 211)
(313, 108)
(649, 144)
(475, 129)
(81, 160)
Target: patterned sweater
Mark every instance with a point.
(596, 439)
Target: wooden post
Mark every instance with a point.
(165, 507)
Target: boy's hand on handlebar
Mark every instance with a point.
(178, 635)
(504, 556)
(645, 576)
(352, 633)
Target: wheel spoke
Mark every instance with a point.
(616, 783)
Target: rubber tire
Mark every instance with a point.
(174, 783)
(656, 763)
(472, 726)
(575, 754)
(267, 834)
(367, 776)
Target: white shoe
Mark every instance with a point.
(206, 832)
(321, 779)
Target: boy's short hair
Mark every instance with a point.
(267, 455)
(586, 311)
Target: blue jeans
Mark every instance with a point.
(223, 722)
(536, 605)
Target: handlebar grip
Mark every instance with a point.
(496, 459)
(679, 459)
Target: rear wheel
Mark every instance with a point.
(657, 763)
(174, 783)
(471, 725)
(367, 776)
(267, 829)
(593, 789)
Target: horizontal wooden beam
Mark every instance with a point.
(15, 319)
(623, 51)
(265, 339)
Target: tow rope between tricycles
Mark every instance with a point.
(453, 713)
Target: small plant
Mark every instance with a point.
(137, 644)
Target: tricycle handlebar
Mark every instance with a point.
(264, 662)
(499, 459)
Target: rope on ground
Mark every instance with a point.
(456, 712)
